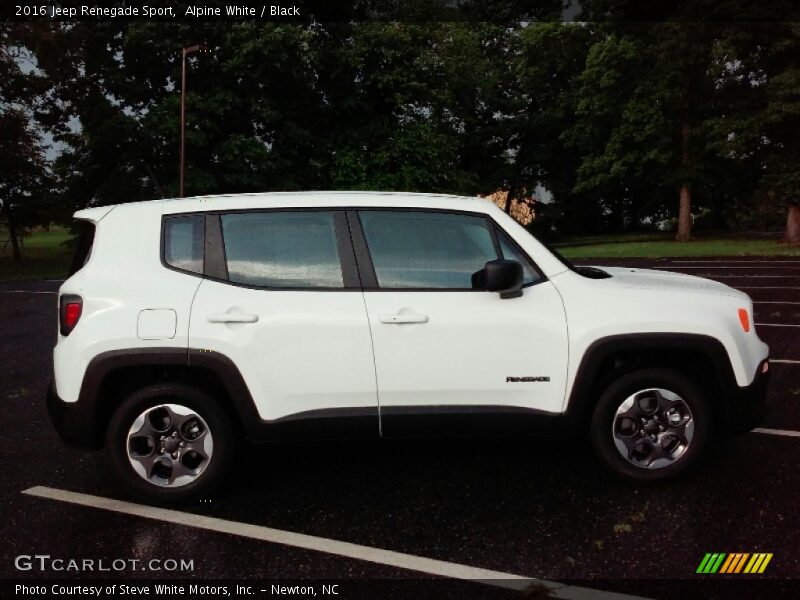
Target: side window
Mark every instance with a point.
(511, 252)
(183, 242)
(426, 249)
(83, 245)
(291, 249)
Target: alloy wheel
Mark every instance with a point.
(653, 428)
(169, 445)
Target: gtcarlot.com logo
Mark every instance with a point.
(45, 562)
(734, 563)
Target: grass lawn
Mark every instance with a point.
(45, 255)
(662, 248)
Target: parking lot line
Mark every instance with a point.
(793, 262)
(774, 302)
(734, 267)
(776, 325)
(784, 361)
(390, 558)
(784, 432)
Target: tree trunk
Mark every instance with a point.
(516, 175)
(793, 224)
(635, 211)
(685, 215)
(513, 188)
(685, 207)
(509, 198)
(13, 234)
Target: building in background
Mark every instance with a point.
(522, 209)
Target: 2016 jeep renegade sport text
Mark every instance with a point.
(189, 325)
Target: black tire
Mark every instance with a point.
(603, 420)
(218, 423)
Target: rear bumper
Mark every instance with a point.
(748, 405)
(74, 424)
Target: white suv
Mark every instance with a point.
(189, 325)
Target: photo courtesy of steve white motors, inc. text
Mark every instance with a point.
(167, 589)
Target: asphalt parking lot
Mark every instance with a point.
(510, 507)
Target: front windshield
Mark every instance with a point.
(565, 261)
(588, 272)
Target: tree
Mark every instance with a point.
(627, 124)
(550, 60)
(618, 132)
(760, 78)
(642, 103)
(782, 124)
(367, 105)
(24, 176)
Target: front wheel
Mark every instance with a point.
(650, 425)
(169, 443)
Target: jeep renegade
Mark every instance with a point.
(191, 324)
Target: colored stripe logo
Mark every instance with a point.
(735, 562)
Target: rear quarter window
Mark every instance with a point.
(83, 245)
(183, 242)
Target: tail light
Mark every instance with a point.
(70, 309)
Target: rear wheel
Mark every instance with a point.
(651, 424)
(169, 443)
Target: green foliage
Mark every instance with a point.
(282, 107)
(670, 248)
(47, 255)
(593, 111)
(25, 184)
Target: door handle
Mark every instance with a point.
(236, 317)
(403, 318)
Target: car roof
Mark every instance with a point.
(322, 199)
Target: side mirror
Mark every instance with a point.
(504, 276)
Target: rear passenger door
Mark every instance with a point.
(444, 348)
(282, 300)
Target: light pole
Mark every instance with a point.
(186, 51)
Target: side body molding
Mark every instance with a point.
(83, 422)
(87, 418)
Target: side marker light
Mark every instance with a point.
(744, 319)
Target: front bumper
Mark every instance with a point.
(748, 405)
(74, 424)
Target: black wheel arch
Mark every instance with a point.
(112, 376)
(703, 358)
